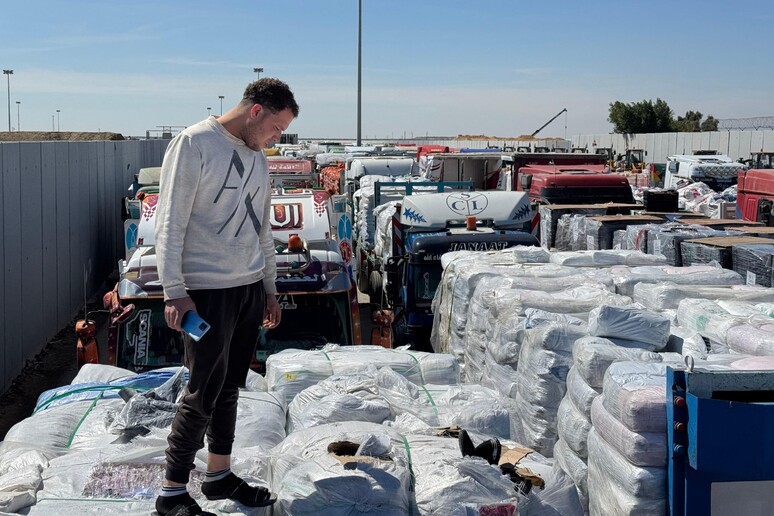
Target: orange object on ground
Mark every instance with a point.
(87, 349)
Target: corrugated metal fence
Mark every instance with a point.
(61, 234)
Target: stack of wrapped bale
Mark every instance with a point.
(755, 262)
(498, 307)
(571, 233)
(462, 272)
(600, 231)
(591, 358)
(666, 239)
(550, 215)
(627, 454)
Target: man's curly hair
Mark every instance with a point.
(272, 94)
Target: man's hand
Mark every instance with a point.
(273, 313)
(175, 309)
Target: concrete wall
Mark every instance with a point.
(61, 234)
(736, 144)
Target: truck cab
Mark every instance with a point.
(755, 195)
(482, 168)
(425, 227)
(716, 171)
(291, 173)
(573, 184)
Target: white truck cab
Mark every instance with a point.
(716, 171)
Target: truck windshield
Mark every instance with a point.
(310, 321)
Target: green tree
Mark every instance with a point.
(710, 124)
(641, 117)
(690, 123)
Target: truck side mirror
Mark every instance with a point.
(526, 182)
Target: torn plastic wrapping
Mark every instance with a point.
(573, 427)
(755, 262)
(636, 237)
(639, 448)
(605, 258)
(448, 484)
(616, 322)
(644, 483)
(698, 275)
(310, 480)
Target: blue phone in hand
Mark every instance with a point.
(194, 326)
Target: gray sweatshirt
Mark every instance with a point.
(213, 225)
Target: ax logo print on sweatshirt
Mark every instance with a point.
(245, 205)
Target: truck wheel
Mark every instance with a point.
(363, 276)
(376, 287)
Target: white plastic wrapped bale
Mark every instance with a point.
(697, 275)
(459, 279)
(709, 319)
(605, 258)
(472, 407)
(291, 371)
(497, 307)
(573, 427)
(575, 468)
(18, 488)
(618, 488)
(639, 448)
(593, 355)
(580, 392)
(634, 393)
(100, 373)
(667, 295)
(751, 339)
(643, 326)
(383, 229)
(666, 239)
(447, 484)
(545, 358)
(310, 480)
(571, 233)
(260, 420)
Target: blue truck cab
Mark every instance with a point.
(425, 227)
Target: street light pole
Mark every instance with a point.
(258, 72)
(359, 68)
(8, 73)
(53, 126)
(208, 112)
(221, 103)
(18, 123)
(58, 127)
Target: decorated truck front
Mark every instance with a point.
(427, 226)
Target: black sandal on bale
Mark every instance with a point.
(234, 488)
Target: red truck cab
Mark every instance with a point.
(573, 184)
(755, 196)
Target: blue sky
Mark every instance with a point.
(500, 68)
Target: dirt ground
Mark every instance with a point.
(53, 367)
(45, 136)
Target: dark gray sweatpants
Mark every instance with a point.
(218, 366)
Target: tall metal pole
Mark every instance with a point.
(58, 127)
(359, 69)
(221, 103)
(53, 125)
(257, 73)
(18, 123)
(208, 112)
(8, 73)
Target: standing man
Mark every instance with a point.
(215, 255)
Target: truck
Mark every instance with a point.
(292, 173)
(482, 168)
(314, 287)
(716, 171)
(420, 229)
(755, 195)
